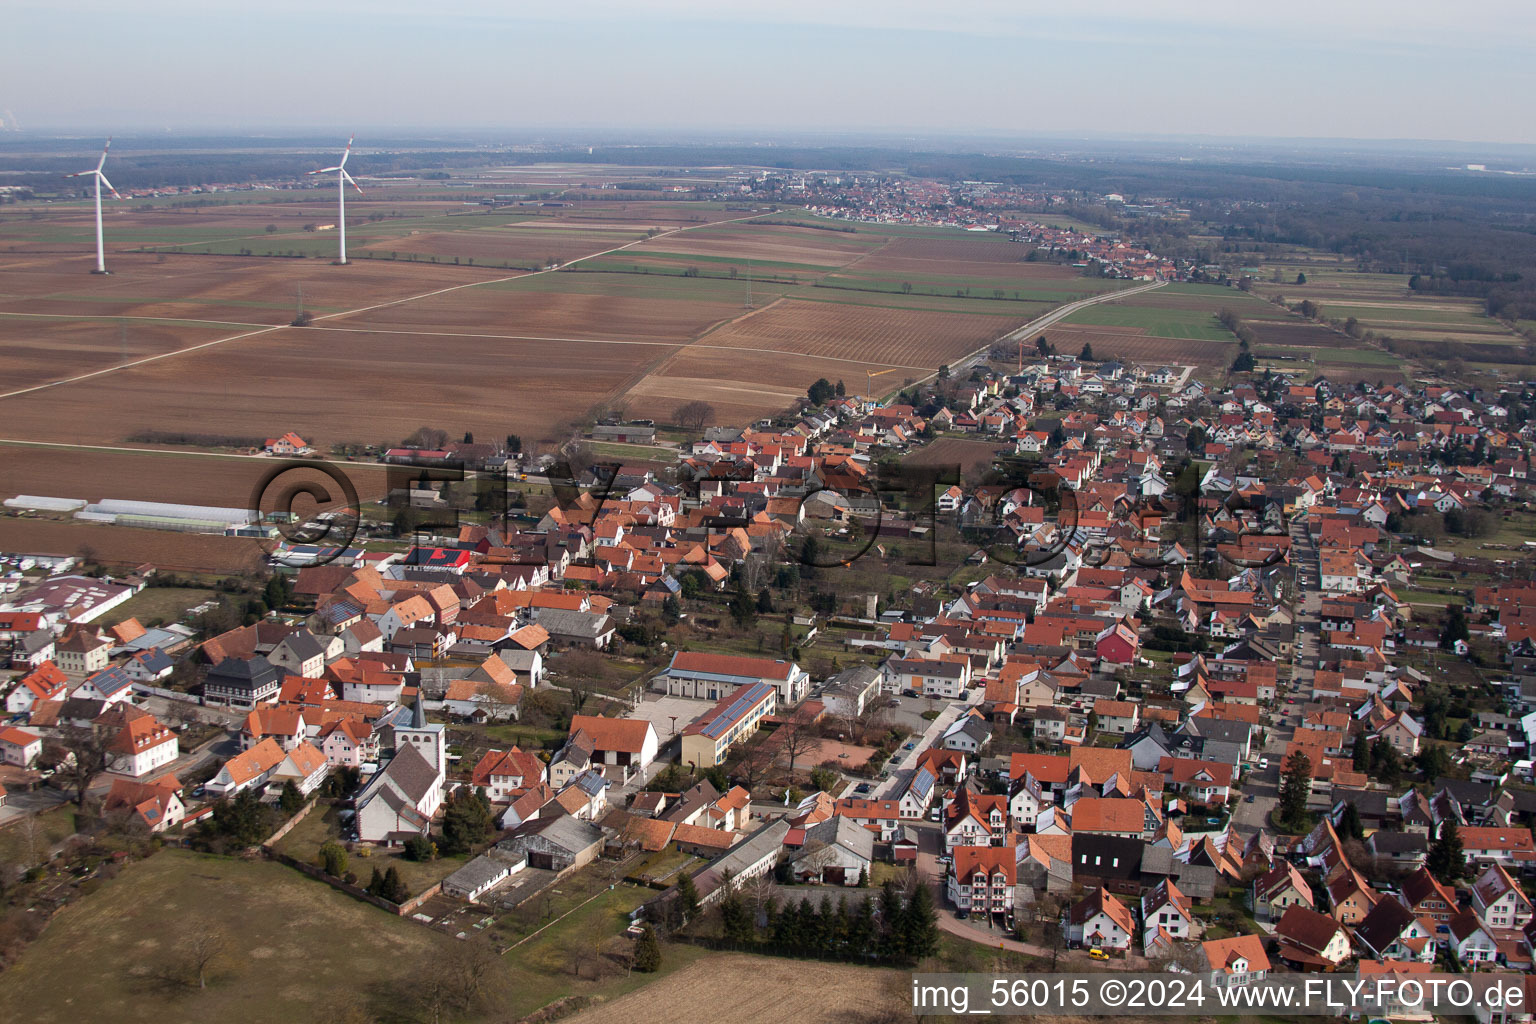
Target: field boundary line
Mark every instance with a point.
(354, 312)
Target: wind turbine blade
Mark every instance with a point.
(81, 174)
(326, 170)
(346, 153)
(103, 161)
(355, 185)
(107, 183)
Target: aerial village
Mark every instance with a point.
(1232, 677)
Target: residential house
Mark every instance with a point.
(982, 880)
(1165, 913)
(1279, 889)
(1235, 961)
(502, 772)
(249, 769)
(1391, 932)
(1499, 901)
(156, 804)
(305, 766)
(141, 746)
(1311, 941)
(1100, 921)
(19, 747)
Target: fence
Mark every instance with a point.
(315, 872)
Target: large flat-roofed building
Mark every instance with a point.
(735, 718)
(712, 676)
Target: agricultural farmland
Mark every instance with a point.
(180, 341)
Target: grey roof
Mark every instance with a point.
(841, 831)
(304, 645)
(1385, 842)
(244, 673)
(588, 625)
(766, 841)
(572, 835)
(406, 775)
(484, 869)
(1381, 927)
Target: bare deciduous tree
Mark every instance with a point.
(459, 979)
(693, 415)
(81, 754)
(199, 953)
(797, 741)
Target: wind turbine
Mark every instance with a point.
(342, 177)
(95, 172)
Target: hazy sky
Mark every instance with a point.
(1313, 68)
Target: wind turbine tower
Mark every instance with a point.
(101, 179)
(342, 180)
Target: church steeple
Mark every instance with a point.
(418, 714)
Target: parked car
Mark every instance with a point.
(862, 787)
(935, 813)
(1097, 954)
(1249, 798)
(909, 745)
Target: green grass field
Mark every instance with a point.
(1356, 357)
(1186, 324)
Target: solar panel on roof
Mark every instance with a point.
(738, 707)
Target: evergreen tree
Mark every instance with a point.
(1386, 763)
(333, 857)
(893, 940)
(394, 888)
(736, 919)
(1362, 753)
(841, 390)
(1455, 627)
(786, 930)
(764, 601)
(290, 800)
(1447, 860)
(743, 608)
(647, 951)
(376, 883)
(861, 926)
(920, 925)
(1349, 824)
(1295, 786)
(688, 897)
(467, 821)
(1086, 355)
(812, 932)
(834, 924)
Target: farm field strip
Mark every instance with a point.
(154, 321)
(600, 341)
